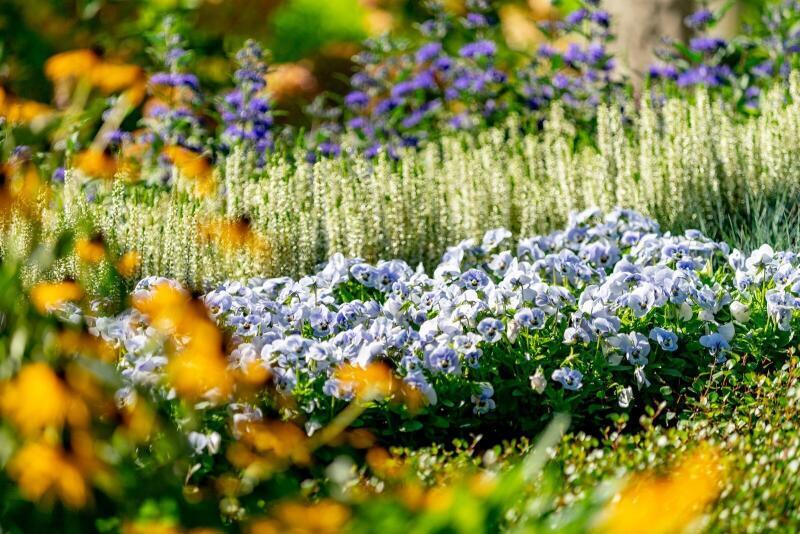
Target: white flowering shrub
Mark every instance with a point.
(688, 164)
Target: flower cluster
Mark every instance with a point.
(459, 76)
(246, 110)
(604, 308)
(744, 64)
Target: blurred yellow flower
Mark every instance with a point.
(234, 235)
(666, 504)
(374, 381)
(90, 250)
(129, 263)
(197, 366)
(37, 399)
(71, 64)
(193, 166)
(77, 342)
(202, 372)
(384, 464)
(324, 517)
(19, 111)
(42, 470)
(114, 77)
(96, 163)
(47, 296)
(282, 439)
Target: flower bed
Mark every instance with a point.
(602, 317)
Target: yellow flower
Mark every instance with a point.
(96, 163)
(114, 77)
(197, 366)
(90, 250)
(19, 111)
(234, 235)
(324, 517)
(129, 263)
(37, 399)
(376, 380)
(192, 165)
(666, 504)
(384, 464)
(42, 470)
(48, 296)
(71, 64)
(76, 342)
(202, 371)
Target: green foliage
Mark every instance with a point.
(302, 27)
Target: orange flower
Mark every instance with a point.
(129, 263)
(277, 440)
(198, 368)
(41, 469)
(77, 342)
(384, 464)
(48, 296)
(96, 163)
(193, 166)
(114, 77)
(290, 81)
(71, 64)
(324, 517)
(140, 421)
(37, 399)
(19, 111)
(90, 250)
(200, 372)
(376, 380)
(234, 235)
(666, 504)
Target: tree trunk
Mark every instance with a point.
(640, 26)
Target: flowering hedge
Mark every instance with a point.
(604, 316)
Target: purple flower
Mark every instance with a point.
(576, 17)
(707, 44)
(478, 49)
(429, 52)
(475, 20)
(58, 175)
(601, 18)
(356, 99)
(444, 360)
(699, 19)
(574, 54)
(666, 72)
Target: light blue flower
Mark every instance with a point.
(569, 378)
(491, 329)
(666, 339)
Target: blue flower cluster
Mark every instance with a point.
(455, 79)
(245, 110)
(744, 64)
(604, 305)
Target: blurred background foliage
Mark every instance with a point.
(311, 41)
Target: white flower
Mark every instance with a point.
(538, 381)
(727, 331)
(740, 311)
(685, 311)
(625, 397)
(201, 442)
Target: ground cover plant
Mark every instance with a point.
(481, 288)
